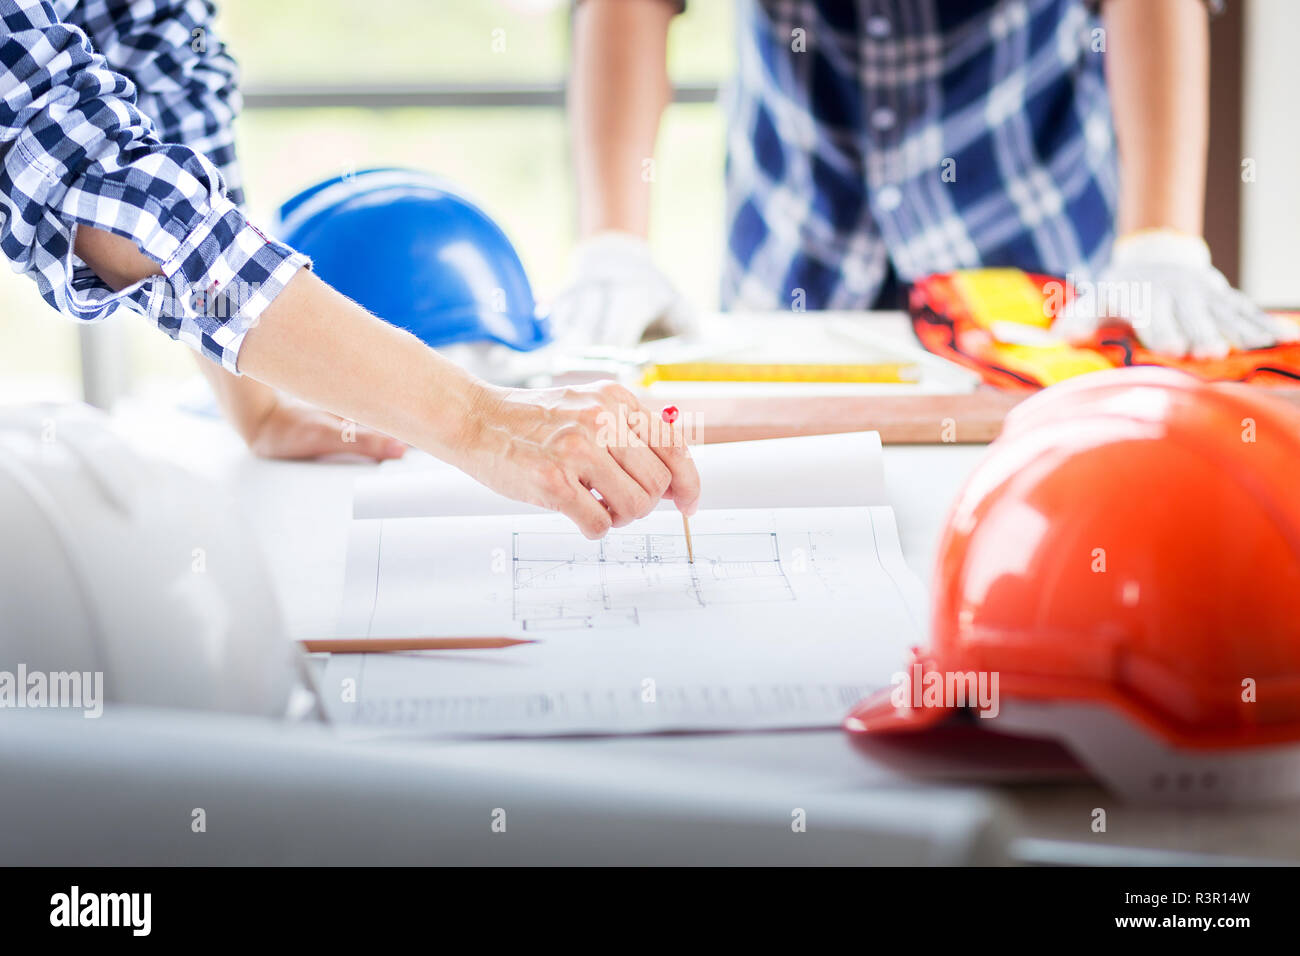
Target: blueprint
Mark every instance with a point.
(562, 581)
(786, 617)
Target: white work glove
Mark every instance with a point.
(616, 294)
(1163, 284)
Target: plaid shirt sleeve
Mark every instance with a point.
(77, 151)
(185, 80)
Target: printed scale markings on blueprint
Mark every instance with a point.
(562, 581)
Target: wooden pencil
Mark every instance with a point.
(378, 645)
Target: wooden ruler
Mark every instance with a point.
(972, 418)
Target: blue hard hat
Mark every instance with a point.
(414, 251)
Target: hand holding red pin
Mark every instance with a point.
(669, 415)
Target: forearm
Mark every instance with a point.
(617, 94)
(542, 447)
(320, 346)
(1157, 72)
(244, 401)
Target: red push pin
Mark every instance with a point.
(669, 415)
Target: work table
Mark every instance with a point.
(301, 513)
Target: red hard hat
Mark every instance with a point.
(1123, 568)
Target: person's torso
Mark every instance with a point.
(922, 135)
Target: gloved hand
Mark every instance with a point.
(615, 295)
(1163, 284)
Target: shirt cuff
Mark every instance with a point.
(220, 280)
(214, 287)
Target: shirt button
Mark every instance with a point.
(889, 198)
(877, 27)
(883, 118)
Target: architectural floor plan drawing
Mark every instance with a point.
(564, 581)
(786, 614)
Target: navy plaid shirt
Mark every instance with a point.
(910, 137)
(79, 148)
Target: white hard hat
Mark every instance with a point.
(115, 563)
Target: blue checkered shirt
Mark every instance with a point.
(112, 115)
(911, 137)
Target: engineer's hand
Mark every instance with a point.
(616, 294)
(294, 431)
(278, 426)
(1163, 284)
(554, 447)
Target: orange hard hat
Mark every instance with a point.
(1123, 569)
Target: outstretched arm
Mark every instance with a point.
(548, 447)
(617, 93)
(1158, 75)
(1160, 278)
(102, 216)
(618, 90)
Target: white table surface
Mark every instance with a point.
(301, 513)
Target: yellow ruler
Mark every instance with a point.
(873, 372)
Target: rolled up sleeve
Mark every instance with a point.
(78, 152)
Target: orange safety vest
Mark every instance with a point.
(988, 320)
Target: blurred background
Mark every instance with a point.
(513, 159)
(327, 83)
